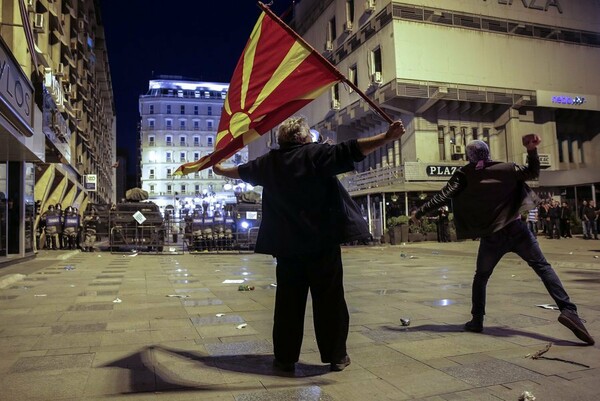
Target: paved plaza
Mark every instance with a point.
(93, 326)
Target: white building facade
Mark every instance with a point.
(454, 71)
(179, 121)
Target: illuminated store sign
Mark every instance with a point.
(568, 100)
(16, 93)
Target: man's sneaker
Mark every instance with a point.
(284, 366)
(474, 326)
(569, 319)
(341, 365)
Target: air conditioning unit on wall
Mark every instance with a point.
(458, 149)
(370, 6)
(376, 77)
(38, 22)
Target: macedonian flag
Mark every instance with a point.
(277, 74)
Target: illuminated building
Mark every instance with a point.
(179, 121)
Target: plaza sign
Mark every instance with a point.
(441, 171)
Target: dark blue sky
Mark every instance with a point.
(194, 38)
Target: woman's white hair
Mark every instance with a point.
(293, 131)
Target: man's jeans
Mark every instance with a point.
(516, 238)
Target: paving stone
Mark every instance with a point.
(308, 393)
(90, 307)
(52, 363)
(239, 348)
(214, 320)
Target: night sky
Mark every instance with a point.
(199, 39)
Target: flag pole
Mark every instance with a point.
(326, 62)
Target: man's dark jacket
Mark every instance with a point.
(488, 199)
(305, 208)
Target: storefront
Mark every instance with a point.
(19, 149)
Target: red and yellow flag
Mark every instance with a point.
(277, 75)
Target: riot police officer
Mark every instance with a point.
(59, 211)
(229, 226)
(90, 224)
(195, 228)
(70, 228)
(52, 223)
(219, 231)
(207, 232)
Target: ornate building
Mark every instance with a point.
(179, 121)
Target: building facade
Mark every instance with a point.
(57, 123)
(456, 71)
(179, 121)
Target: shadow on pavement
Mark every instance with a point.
(147, 374)
(495, 331)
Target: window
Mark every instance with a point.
(150, 124)
(182, 109)
(376, 61)
(169, 123)
(151, 175)
(196, 156)
(196, 125)
(169, 173)
(197, 189)
(207, 94)
(209, 141)
(209, 110)
(195, 110)
(335, 92)
(349, 15)
(169, 140)
(441, 147)
(151, 189)
(197, 175)
(179, 93)
(169, 160)
(183, 188)
(169, 189)
(168, 109)
(210, 173)
(331, 31)
(182, 125)
(182, 141)
(209, 125)
(196, 95)
(151, 140)
(182, 156)
(196, 141)
(151, 109)
(353, 76)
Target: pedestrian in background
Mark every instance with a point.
(565, 220)
(532, 219)
(588, 216)
(307, 213)
(487, 199)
